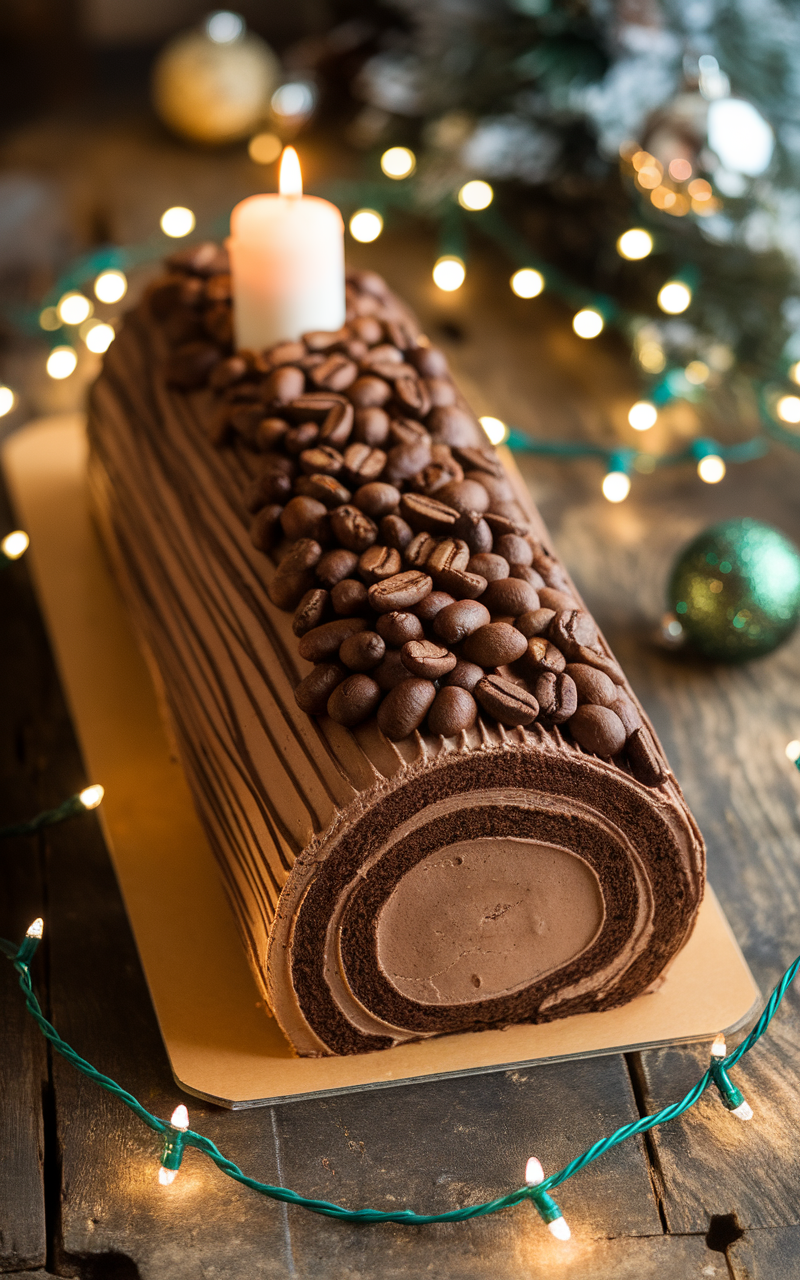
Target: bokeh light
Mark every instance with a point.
(788, 409)
(366, 225)
(475, 195)
(177, 221)
(449, 274)
(588, 323)
(527, 283)
(398, 162)
(711, 469)
(7, 400)
(74, 308)
(616, 486)
(110, 286)
(495, 428)
(99, 337)
(635, 244)
(61, 362)
(264, 148)
(643, 415)
(674, 297)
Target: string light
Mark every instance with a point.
(616, 486)
(294, 102)
(172, 1152)
(110, 286)
(7, 400)
(788, 409)
(680, 169)
(792, 750)
(696, 372)
(98, 337)
(731, 1096)
(73, 807)
(366, 225)
(264, 148)
(475, 195)
(224, 27)
(177, 221)
(794, 372)
(49, 319)
(91, 796)
(496, 430)
(544, 1202)
(587, 323)
(711, 468)
(15, 544)
(449, 273)
(674, 297)
(527, 283)
(398, 162)
(61, 362)
(635, 244)
(74, 308)
(643, 415)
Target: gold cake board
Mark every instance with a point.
(221, 1043)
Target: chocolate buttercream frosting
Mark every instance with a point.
(434, 799)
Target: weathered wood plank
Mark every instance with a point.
(766, 1255)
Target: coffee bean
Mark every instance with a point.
(324, 489)
(453, 711)
(324, 339)
(491, 567)
(285, 353)
(534, 622)
(174, 292)
(401, 592)
(356, 349)
(514, 549)
(465, 675)
(450, 553)
(465, 495)
(314, 406)
(457, 621)
(379, 562)
(551, 570)
(405, 460)
(322, 460)
(352, 529)
(297, 439)
(397, 628)
(433, 478)
(473, 529)
(304, 518)
(324, 642)
(494, 645)
(375, 499)
(424, 658)
(540, 655)
(245, 419)
(312, 693)
(371, 427)
(418, 550)
(335, 566)
(497, 488)
(592, 685)
(453, 426)
(284, 385)
(354, 700)
(404, 708)
(189, 366)
(384, 353)
(429, 361)
(411, 395)
(306, 553)
(270, 433)
(270, 487)
(349, 598)
(601, 662)
(228, 372)
(440, 392)
(391, 672)
(337, 373)
(362, 464)
(204, 259)
(288, 586)
(265, 531)
(509, 703)
(396, 533)
(430, 608)
(311, 612)
(460, 584)
(368, 329)
(427, 515)
(480, 458)
(363, 651)
(526, 574)
(571, 629)
(627, 712)
(644, 759)
(556, 695)
(501, 525)
(510, 596)
(598, 730)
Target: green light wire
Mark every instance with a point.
(71, 808)
(21, 957)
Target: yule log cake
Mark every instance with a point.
(435, 801)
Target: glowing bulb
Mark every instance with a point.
(635, 244)
(74, 308)
(180, 1117)
(794, 372)
(788, 408)
(91, 796)
(7, 400)
(643, 415)
(587, 323)
(495, 429)
(449, 274)
(559, 1228)
(173, 1146)
(398, 162)
(616, 486)
(680, 170)
(366, 225)
(294, 101)
(15, 544)
(264, 148)
(711, 468)
(49, 319)
(177, 222)
(61, 362)
(99, 338)
(36, 929)
(719, 1049)
(527, 283)
(534, 1173)
(475, 195)
(744, 1111)
(110, 286)
(696, 372)
(674, 297)
(290, 179)
(167, 1176)
(793, 750)
(223, 27)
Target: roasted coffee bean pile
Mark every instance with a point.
(419, 593)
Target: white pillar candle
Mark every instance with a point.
(287, 262)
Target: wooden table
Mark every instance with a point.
(706, 1196)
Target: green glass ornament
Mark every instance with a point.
(736, 590)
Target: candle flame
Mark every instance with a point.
(290, 179)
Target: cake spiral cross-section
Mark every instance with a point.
(435, 802)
